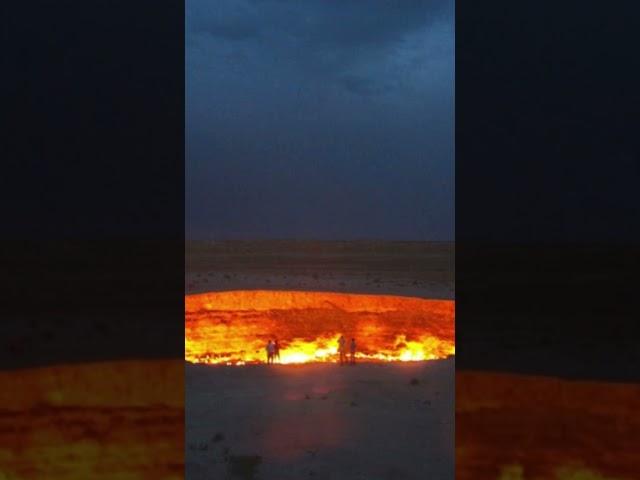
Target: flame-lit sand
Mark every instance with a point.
(319, 420)
(515, 427)
(93, 421)
(234, 327)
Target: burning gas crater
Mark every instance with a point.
(233, 327)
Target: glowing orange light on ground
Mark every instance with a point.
(516, 427)
(234, 327)
(98, 421)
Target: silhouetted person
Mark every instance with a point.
(270, 349)
(276, 350)
(352, 350)
(342, 349)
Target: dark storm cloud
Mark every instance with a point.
(321, 22)
(320, 118)
(319, 36)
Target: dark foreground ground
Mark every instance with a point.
(321, 421)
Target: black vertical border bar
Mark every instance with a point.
(547, 233)
(92, 236)
(93, 181)
(547, 168)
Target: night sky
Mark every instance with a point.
(320, 119)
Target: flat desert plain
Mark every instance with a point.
(322, 421)
(416, 269)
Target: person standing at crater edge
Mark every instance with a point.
(352, 349)
(276, 350)
(270, 352)
(342, 349)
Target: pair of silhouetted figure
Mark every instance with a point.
(273, 351)
(342, 350)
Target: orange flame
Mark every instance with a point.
(234, 327)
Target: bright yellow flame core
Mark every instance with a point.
(234, 327)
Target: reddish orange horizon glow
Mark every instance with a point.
(234, 327)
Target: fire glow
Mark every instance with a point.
(528, 428)
(118, 419)
(234, 327)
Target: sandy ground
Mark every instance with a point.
(323, 421)
(416, 269)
